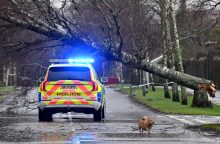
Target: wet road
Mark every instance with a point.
(119, 126)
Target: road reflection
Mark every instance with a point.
(71, 138)
(85, 137)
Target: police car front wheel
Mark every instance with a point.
(97, 116)
(44, 115)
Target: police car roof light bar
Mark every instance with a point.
(71, 60)
(80, 60)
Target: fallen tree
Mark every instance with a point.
(178, 77)
(30, 22)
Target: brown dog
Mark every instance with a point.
(145, 124)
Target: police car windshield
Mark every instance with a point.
(69, 73)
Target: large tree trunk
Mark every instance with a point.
(177, 51)
(200, 99)
(178, 77)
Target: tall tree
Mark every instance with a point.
(168, 50)
(166, 40)
(177, 50)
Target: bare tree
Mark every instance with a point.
(176, 48)
(166, 41)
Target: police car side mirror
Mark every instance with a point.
(104, 79)
(41, 79)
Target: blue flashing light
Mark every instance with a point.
(80, 60)
(39, 97)
(99, 96)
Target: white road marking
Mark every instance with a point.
(201, 121)
(193, 120)
(161, 116)
(182, 120)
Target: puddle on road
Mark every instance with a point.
(80, 138)
(143, 135)
(71, 138)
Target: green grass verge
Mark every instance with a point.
(211, 127)
(5, 90)
(118, 86)
(156, 100)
